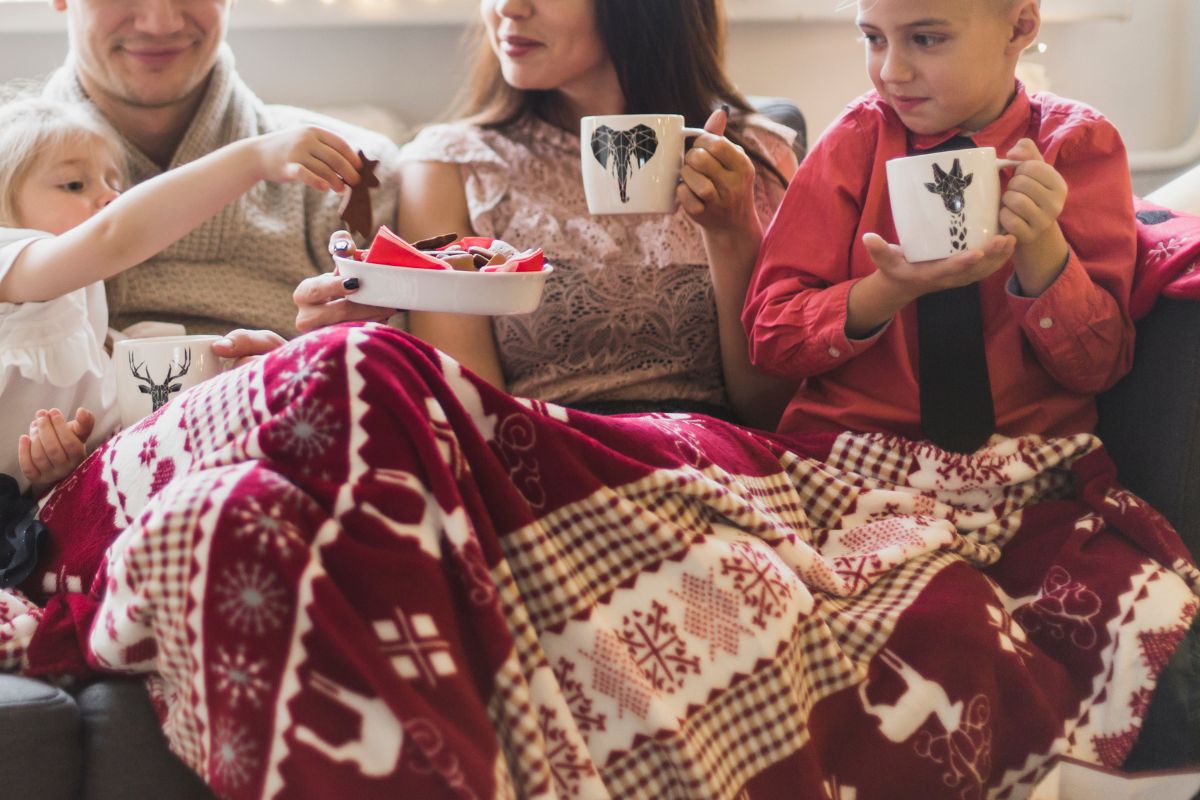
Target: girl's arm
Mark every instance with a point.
(433, 201)
(155, 214)
(718, 193)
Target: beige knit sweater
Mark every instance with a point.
(238, 269)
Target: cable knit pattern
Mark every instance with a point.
(238, 269)
(629, 312)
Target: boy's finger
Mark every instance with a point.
(1025, 150)
(882, 254)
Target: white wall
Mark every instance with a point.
(1144, 74)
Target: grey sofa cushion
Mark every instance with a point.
(1150, 421)
(125, 755)
(39, 737)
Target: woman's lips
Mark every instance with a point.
(517, 46)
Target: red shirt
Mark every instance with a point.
(1047, 356)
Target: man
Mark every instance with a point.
(160, 73)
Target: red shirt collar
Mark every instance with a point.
(1003, 130)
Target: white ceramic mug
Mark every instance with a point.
(152, 371)
(631, 162)
(945, 202)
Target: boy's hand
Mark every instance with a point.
(316, 156)
(717, 181)
(54, 445)
(1029, 209)
(960, 269)
(1035, 196)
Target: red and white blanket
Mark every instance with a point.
(353, 570)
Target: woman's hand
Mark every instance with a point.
(243, 345)
(325, 300)
(717, 182)
(315, 156)
(54, 446)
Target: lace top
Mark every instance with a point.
(628, 313)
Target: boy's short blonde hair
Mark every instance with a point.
(32, 126)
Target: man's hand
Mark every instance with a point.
(54, 446)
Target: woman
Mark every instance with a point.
(357, 569)
(642, 310)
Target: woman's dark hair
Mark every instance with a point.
(668, 56)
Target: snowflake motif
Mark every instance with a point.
(307, 430)
(239, 677)
(1139, 702)
(566, 766)
(586, 720)
(759, 580)
(858, 572)
(1165, 249)
(149, 451)
(304, 372)
(254, 601)
(1063, 605)
(657, 649)
(232, 756)
(268, 525)
(966, 752)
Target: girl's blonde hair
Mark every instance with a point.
(30, 127)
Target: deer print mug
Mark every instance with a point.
(631, 162)
(945, 202)
(153, 371)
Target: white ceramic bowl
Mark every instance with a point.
(413, 289)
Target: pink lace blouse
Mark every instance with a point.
(628, 313)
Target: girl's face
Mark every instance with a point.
(942, 64)
(68, 184)
(553, 45)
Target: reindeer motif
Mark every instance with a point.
(950, 187)
(160, 393)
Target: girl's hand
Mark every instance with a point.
(316, 156)
(1034, 198)
(717, 181)
(54, 446)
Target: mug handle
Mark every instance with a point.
(689, 133)
(1004, 163)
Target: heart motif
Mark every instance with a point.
(619, 151)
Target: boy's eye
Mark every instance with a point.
(871, 39)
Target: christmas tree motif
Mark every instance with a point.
(758, 578)
(657, 649)
(415, 647)
(615, 675)
(1158, 646)
(711, 613)
(586, 719)
(1113, 749)
(566, 766)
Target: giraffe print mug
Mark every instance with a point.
(155, 370)
(943, 203)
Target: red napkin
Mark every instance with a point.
(533, 262)
(388, 248)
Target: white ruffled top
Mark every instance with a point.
(51, 356)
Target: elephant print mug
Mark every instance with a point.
(631, 162)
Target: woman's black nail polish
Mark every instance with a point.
(725, 108)
(350, 283)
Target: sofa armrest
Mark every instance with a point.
(1150, 421)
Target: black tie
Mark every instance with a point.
(956, 395)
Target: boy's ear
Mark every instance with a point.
(1026, 20)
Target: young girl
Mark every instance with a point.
(65, 230)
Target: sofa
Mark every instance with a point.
(103, 741)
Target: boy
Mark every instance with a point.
(1015, 338)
